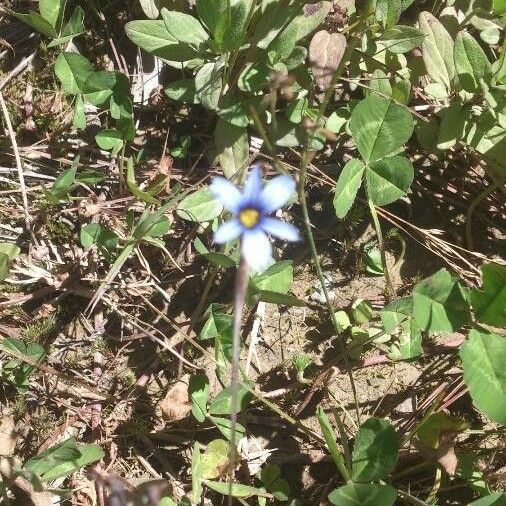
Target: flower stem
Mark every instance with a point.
(241, 285)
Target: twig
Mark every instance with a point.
(19, 164)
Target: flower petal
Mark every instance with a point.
(227, 193)
(257, 249)
(253, 186)
(228, 231)
(276, 193)
(280, 229)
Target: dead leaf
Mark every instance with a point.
(445, 453)
(326, 51)
(8, 436)
(176, 404)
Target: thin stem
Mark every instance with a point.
(241, 285)
(377, 226)
(319, 273)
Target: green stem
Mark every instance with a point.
(390, 290)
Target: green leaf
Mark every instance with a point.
(380, 127)
(375, 451)
(471, 62)
(275, 485)
(73, 28)
(396, 312)
(440, 303)
(281, 299)
(224, 425)
(63, 459)
(200, 206)
(215, 459)
(362, 494)
(389, 179)
(184, 28)
(232, 147)
(347, 186)
(51, 11)
(212, 13)
(379, 85)
(277, 278)
(496, 499)
(230, 30)
(388, 12)
(254, 77)
(361, 311)
(182, 90)
(94, 233)
(198, 390)
(483, 357)
(219, 259)
(433, 426)
(8, 252)
(453, 122)
(410, 342)
(208, 83)
(233, 110)
(337, 120)
(489, 302)
(79, 118)
(222, 403)
(72, 70)
(234, 489)
(402, 38)
(36, 21)
(300, 27)
(217, 322)
(330, 439)
(109, 140)
(437, 50)
(64, 182)
(142, 195)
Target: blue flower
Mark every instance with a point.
(251, 209)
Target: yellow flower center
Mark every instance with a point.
(249, 217)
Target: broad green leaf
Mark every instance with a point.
(222, 403)
(198, 390)
(440, 303)
(282, 299)
(72, 70)
(63, 459)
(150, 8)
(230, 31)
(224, 425)
(254, 77)
(217, 322)
(200, 206)
(274, 483)
(184, 28)
(300, 27)
(109, 140)
(483, 357)
(8, 252)
(337, 120)
(52, 11)
(379, 85)
(433, 426)
(489, 302)
(182, 90)
(396, 312)
(64, 182)
(380, 127)
(388, 12)
(233, 110)
(234, 489)
(437, 50)
(402, 38)
(212, 13)
(347, 186)
(36, 21)
(499, 6)
(496, 499)
(409, 345)
(453, 122)
(375, 451)
(94, 233)
(362, 494)
(372, 260)
(215, 459)
(208, 82)
(73, 28)
(389, 179)
(330, 439)
(79, 118)
(361, 311)
(219, 259)
(232, 147)
(277, 278)
(471, 62)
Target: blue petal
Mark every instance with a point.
(280, 229)
(228, 231)
(227, 193)
(276, 193)
(256, 249)
(253, 186)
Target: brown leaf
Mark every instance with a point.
(445, 453)
(326, 51)
(8, 436)
(176, 405)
